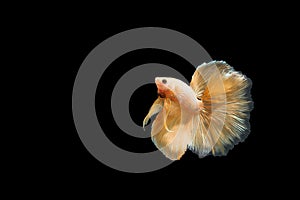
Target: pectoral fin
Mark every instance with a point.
(169, 134)
(155, 108)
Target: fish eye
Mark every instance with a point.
(164, 81)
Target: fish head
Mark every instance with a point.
(165, 86)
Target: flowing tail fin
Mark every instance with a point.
(225, 99)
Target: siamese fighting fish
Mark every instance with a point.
(209, 116)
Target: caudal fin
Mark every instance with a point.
(226, 105)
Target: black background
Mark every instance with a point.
(243, 43)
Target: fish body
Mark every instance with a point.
(209, 116)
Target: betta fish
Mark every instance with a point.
(209, 116)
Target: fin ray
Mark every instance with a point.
(235, 112)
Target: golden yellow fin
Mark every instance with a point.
(226, 104)
(169, 135)
(155, 108)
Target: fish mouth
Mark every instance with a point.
(159, 84)
(157, 81)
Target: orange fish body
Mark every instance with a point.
(210, 115)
